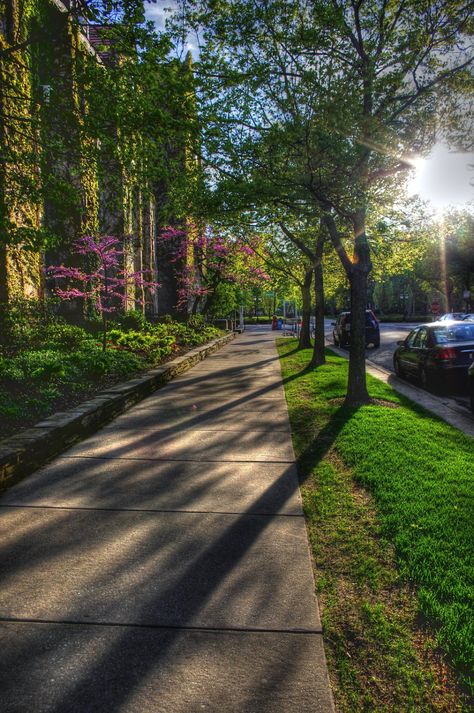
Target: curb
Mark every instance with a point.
(455, 415)
(22, 454)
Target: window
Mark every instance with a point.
(411, 337)
(456, 333)
(421, 339)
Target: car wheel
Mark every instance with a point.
(398, 369)
(377, 344)
(335, 340)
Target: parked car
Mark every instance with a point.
(341, 333)
(452, 316)
(469, 317)
(470, 385)
(438, 354)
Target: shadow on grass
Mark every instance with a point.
(319, 447)
(285, 355)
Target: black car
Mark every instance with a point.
(470, 385)
(341, 333)
(437, 354)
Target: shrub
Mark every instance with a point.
(94, 363)
(196, 321)
(54, 362)
(154, 345)
(132, 320)
(61, 336)
(22, 322)
(34, 365)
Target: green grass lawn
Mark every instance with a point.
(388, 492)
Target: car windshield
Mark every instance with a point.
(454, 333)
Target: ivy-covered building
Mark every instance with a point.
(94, 140)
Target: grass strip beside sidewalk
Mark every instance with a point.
(388, 495)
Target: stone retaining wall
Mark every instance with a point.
(30, 449)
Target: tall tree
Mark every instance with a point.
(329, 100)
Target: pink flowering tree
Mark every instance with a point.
(108, 285)
(204, 260)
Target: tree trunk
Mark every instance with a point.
(195, 307)
(104, 332)
(319, 356)
(210, 299)
(357, 393)
(305, 333)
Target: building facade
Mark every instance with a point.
(90, 144)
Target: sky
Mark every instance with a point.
(156, 13)
(444, 178)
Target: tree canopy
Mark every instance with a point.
(320, 106)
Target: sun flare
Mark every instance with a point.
(445, 179)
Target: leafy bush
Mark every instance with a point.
(34, 365)
(46, 363)
(95, 363)
(154, 345)
(60, 335)
(196, 321)
(10, 406)
(413, 318)
(259, 320)
(22, 322)
(132, 320)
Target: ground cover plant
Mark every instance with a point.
(48, 365)
(388, 492)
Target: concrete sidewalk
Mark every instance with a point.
(162, 565)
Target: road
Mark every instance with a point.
(390, 334)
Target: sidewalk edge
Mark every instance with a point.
(22, 454)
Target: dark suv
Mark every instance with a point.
(342, 329)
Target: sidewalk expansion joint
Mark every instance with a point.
(70, 508)
(305, 631)
(177, 460)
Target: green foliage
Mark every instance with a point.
(22, 322)
(93, 363)
(37, 365)
(224, 300)
(45, 362)
(63, 336)
(196, 321)
(154, 345)
(133, 319)
(258, 320)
